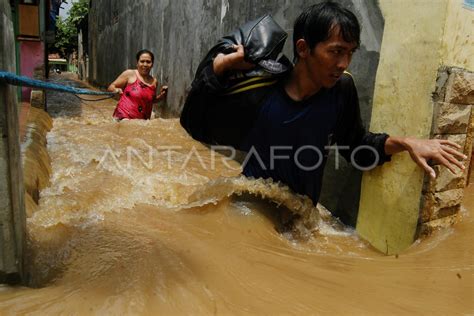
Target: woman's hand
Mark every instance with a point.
(232, 61)
(118, 91)
(163, 93)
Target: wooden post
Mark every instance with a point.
(12, 207)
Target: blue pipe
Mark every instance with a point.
(16, 80)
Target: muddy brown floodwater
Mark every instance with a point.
(132, 223)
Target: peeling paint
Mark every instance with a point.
(224, 8)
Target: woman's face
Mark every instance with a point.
(144, 64)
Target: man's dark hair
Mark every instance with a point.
(145, 51)
(316, 22)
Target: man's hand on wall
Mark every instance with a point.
(439, 151)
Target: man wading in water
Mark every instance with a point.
(315, 105)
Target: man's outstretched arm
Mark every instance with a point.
(422, 150)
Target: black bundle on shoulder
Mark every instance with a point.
(222, 110)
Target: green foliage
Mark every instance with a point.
(66, 29)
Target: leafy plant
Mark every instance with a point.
(66, 29)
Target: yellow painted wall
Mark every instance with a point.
(409, 60)
(458, 41)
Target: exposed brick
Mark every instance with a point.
(441, 82)
(469, 148)
(445, 180)
(451, 118)
(441, 204)
(428, 228)
(448, 211)
(460, 88)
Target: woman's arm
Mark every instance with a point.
(121, 82)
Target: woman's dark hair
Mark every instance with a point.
(316, 22)
(146, 51)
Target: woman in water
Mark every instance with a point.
(137, 89)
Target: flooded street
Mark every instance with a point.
(138, 218)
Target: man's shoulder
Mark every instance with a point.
(347, 78)
(345, 83)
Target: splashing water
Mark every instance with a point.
(138, 218)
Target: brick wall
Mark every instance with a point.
(453, 120)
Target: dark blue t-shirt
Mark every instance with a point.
(267, 124)
(289, 141)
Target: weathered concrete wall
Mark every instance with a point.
(181, 32)
(402, 106)
(458, 39)
(12, 214)
(413, 48)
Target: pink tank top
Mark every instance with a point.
(136, 101)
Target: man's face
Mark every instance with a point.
(327, 61)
